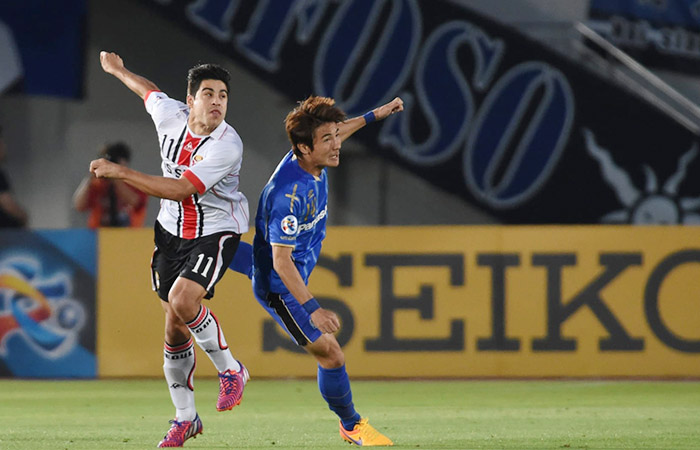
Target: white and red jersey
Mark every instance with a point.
(212, 163)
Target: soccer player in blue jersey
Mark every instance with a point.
(289, 228)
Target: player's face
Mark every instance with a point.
(208, 106)
(326, 152)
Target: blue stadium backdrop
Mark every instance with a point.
(49, 34)
(659, 33)
(491, 116)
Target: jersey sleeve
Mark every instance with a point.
(163, 108)
(285, 215)
(216, 165)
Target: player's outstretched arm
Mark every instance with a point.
(176, 189)
(349, 127)
(114, 65)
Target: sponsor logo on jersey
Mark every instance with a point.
(289, 225)
(197, 158)
(174, 170)
(310, 225)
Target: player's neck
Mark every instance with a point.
(308, 166)
(200, 128)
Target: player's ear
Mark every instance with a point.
(190, 101)
(304, 149)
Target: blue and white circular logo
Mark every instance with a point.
(289, 225)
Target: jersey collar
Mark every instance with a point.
(295, 161)
(219, 131)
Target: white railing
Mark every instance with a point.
(642, 81)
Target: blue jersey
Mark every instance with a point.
(291, 212)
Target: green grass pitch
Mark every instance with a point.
(289, 414)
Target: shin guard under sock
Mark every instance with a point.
(334, 385)
(210, 338)
(179, 362)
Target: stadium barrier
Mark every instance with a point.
(47, 303)
(445, 302)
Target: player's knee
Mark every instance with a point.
(183, 306)
(332, 358)
(185, 298)
(336, 360)
(176, 301)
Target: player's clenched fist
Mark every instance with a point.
(111, 62)
(384, 111)
(102, 168)
(326, 321)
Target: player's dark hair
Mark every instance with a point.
(302, 121)
(202, 72)
(115, 152)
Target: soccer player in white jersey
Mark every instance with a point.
(201, 218)
(290, 226)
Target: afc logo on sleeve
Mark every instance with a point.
(289, 225)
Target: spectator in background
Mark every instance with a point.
(111, 202)
(12, 215)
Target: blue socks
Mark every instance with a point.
(334, 385)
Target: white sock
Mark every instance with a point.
(179, 363)
(210, 338)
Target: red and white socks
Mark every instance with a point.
(208, 334)
(179, 362)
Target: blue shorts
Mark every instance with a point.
(290, 315)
